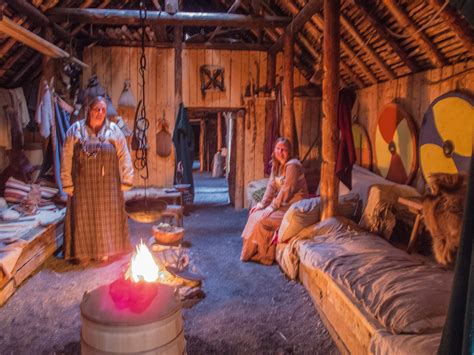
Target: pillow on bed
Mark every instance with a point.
(306, 212)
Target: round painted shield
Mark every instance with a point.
(446, 135)
(395, 145)
(362, 146)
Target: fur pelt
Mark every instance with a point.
(443, 210)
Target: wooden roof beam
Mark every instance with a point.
(318, 20)
(347, 25)
(434, 55)
(370, 16)
(132, 17)
(458, 25)
(36, 16)
(303, 16)
(231, 10)
(310, 26)
(34, 41)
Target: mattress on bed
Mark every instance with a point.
(383, 343)
(405, 294)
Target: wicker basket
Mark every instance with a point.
(164, 236)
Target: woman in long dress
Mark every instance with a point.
(95, 170)
(287, 185)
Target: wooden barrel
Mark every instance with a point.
(108, 328)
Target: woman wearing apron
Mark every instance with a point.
(95, 170)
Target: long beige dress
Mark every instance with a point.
(282, 191)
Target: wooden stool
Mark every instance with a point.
(176, 212)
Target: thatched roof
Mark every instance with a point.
(380, 39)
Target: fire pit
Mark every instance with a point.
(134, 314)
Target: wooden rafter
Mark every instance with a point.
(434, 55)
(132, 17)
(299, 21)
(456, 23)
(311, 28)
(9, 63)
(37, 17)
(319, 21)
(365, 9)
(349, 27)
(231, 10)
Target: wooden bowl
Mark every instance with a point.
(173, 237)
(145, 210)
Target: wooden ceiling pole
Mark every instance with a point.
(331, 40)
(459, 26)
(369, 15)
(9, 63)
(10, 42)
(288, 113)
(434, 55)
(36, 16)
(78, 28)
(303, 16)
(132, 17)
(366, 47)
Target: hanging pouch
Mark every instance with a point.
(163, 139)
(126, 98)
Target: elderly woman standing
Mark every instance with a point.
(95, 168)
(287, 185)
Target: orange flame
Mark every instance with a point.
(143, 265)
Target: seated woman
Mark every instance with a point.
(287, 185)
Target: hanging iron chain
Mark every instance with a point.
(142, 123)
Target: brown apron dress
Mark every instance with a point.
(96, 222)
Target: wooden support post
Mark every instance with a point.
(271, 70)
(202, 145)
(178, 63)
(219, 130)
(240, 164)
(329, 181)
(289, 129)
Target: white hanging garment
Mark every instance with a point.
(126, 98)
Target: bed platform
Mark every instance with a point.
(41, 243)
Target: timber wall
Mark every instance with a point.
(114, 65)
(415, 93)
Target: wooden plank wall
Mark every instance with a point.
(414, 93)
(114, 65)
(239, 69)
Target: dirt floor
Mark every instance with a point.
(248, 309)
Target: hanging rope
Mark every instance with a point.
(142, 124)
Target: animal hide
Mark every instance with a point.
(19, 167)
(443, 212)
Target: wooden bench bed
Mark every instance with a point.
(42, 242)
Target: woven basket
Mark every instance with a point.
(168, 237)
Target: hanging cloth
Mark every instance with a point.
(44, 109)
(163, 139)
(346, 155)
(52, 158)
(183, 139)
(126, 98)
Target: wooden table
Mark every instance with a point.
(414, 206)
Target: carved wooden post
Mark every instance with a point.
(240, 165)
(329, 181)
(289, 129)
(219, 130)
(202, 145)
(178, 63)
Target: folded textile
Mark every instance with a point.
(16, 191)
(9, 254)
